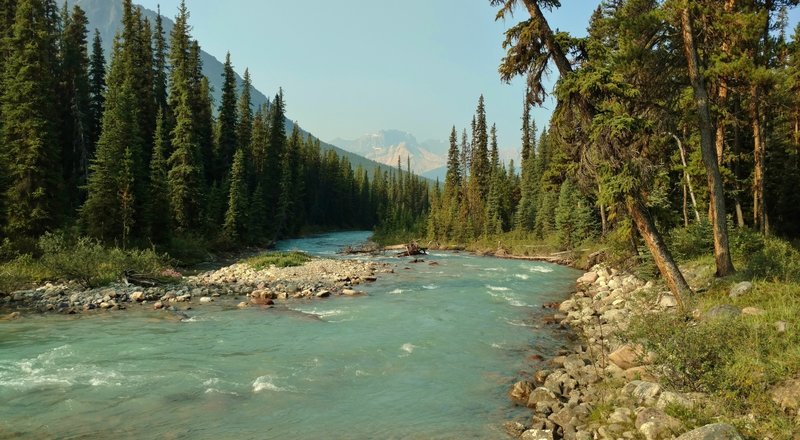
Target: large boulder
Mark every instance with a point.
(588, 278)
(537, 434)
(520, 392)
(642, 392)
(715, 431)
(627, 356)
(740, 289)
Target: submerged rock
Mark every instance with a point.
(520, 392)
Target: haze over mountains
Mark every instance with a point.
(106, 16)
(387, 146)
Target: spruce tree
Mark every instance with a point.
(97, 89)
(276, 145)
(76, 134)
(29, 137)
(109, 211)
(452, 181)
(160, 65)
(227, 121)
(158, 218)
(185, 169)
(236, 214)
(244, 130)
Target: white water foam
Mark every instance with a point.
(497, 289)
(540, 269)
(510, 298)
(430, 287)
(521, 276)
(266, 383)
(396, 291)
(496, 269)
(518, 323)
(408, 347)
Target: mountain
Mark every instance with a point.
(387, 146)
(106, 17)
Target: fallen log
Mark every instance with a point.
(413, 249)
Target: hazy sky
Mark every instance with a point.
(351, 67)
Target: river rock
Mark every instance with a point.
(620, 416)
(261, 301)
(787, 396)
(753, 311)
(655, 424)
(185, 297)
(541, 395)
(323, 293)
(12, 316)
(740, 289)
(351, 292)
(642, 392)
(675, 399)
(626, 356)
(537, 434)
(243, 305)
(206, 300)
(105, 305)
(137, 296)
(520, 392)
(715, 431)
(514, 429)
(588, 278)
(722, 311)
(158, 305)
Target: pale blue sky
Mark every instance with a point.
(351, 67)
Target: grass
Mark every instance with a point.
(83, 260)
(278, 259)
(736, 361)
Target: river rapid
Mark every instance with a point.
(429, 353)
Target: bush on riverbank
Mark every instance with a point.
(738, 360)
(278, 259)
(81, 259)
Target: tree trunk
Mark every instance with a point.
(759, 148)
(685, 208)
(716, 195)
(603, 219)
(688, 179)
(663, 259)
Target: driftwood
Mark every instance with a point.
(369, 247)
(413, 249)
(139, 280)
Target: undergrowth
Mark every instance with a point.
(278, 259)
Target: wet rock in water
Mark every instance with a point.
(520, 392)
(243, 305)
(540, 376)
(537, 434)
(372, 279)
(206, 300)
(137, 296)
(514, 429)
(723, 311)
(158, 305)
(105, 305)
(89, 306)
(185, 297)
(715, 431)
(323, 294)
(351, 292)
(12, 316)
(261, 301)
(740, 289)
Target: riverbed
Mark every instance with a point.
(429, 353)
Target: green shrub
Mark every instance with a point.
(693, 241)
(768, 258)
(23, 272)
(188, 249)
(278, 259)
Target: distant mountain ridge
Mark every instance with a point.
(106, 17)
(387, 146)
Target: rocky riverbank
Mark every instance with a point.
(237, 283)
(605, 388)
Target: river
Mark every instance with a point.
(430, 353)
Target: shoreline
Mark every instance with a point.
(605, 373)
(237, 282)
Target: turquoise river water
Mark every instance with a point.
(429, 354)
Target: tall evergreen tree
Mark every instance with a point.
(97, 90)
(452, 181)
(236, 215)
(160, 50)
(227, 121)
(158, 219)
(30, 146)
(244, 129)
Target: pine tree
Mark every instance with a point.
(158, 218)
(481, 167)
(29, 137)
(108, 213)
(573, 218)
(244, 129)
(97, 89)
(236, 215)
(228, 119)
(185, 169)
(452, 181)
(76, 131)
(276, 144)
(160, 64)
(525, 216)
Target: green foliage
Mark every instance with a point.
(278, 259)
(693, 241)
(767, 258)
(572, 217)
